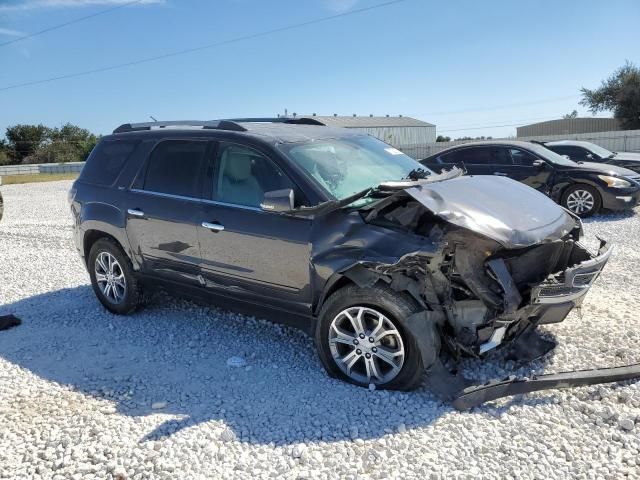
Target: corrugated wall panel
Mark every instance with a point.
(402, 136)
(568, 126)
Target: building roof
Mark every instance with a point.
(369, 121)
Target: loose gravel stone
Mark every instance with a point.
(77, 384)
(626, 423)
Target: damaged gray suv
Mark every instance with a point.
(388, 265)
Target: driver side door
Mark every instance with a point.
(258, 255)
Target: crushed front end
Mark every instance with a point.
(487, 269)
(539, 285)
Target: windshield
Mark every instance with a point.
(553, 157)
(598, 150)
(344, 166)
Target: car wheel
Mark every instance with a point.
(583, 200)
(112, 277)
(361, 338)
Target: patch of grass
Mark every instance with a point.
(38, 177)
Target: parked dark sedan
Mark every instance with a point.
(590, 152)
(583, 188)
(385, 263)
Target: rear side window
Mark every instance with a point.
(175, 168)
(107, 161)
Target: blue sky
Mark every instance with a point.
(458, 64)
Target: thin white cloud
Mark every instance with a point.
(24, 5)
(10, 33)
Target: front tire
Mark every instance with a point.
(112, 277)
(583, 200)
(361, 338)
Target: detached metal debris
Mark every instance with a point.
(9, 321)
(478, 394)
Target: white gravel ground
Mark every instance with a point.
(86, 394)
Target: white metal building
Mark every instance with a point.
(401, 132)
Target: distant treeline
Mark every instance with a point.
(25, 144)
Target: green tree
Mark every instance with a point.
(573, 114)
(25, 140)
(6, 154)
(70, 143)
(441, 138)
(620, 94)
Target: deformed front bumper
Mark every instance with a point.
(550, 301)
(572, 284)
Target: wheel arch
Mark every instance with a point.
(92, 235)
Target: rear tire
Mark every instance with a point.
(390, 361)
(112, 277)
(583, 200)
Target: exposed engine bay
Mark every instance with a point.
(486, 275)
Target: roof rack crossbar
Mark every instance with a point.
(212, 124)
(290, 120)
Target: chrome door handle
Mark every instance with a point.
(135, 212)
(216, 227)
(502, 174)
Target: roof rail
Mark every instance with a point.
(212, 124)
(539, 142)
(290, 120)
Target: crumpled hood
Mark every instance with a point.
(499, 208)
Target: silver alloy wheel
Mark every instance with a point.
(366, 345)
(110, 277)
(580, 201)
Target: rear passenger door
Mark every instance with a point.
(164, 207)
(260, 255)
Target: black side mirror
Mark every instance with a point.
(539, 163)
(278, 200)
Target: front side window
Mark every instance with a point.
(245, 175)
(521, 157)
(574, 153)
(175, 168)
(550, 155)
(348, 165)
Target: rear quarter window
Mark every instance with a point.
(106, 161)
